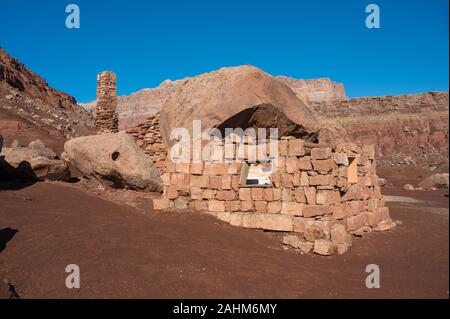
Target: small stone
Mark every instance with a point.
(197, 168)
(226, 195)
(321, 153)
(215, 182)
(292, 165)
(341, 159)
(257, 193)
(304, 180)
(232, 206)
(304, 164)
(316, 210)
(296, 147)
(385, 225)
(216, 206)
(196, 193)
(323, 166)
(160, 203)
(356, 221)
(342, 248)
(326, 197)
(291, 240)
(171, 192)
(321, 180)
(180, 204)
(268, 194)
(275, 222)
(260, 206)
(339, 235)
(247, 205)
(287, 180)
(292, 208)
(311, 195)
(305, 246)
(324, 247)
(299, 195)
(313, 232)
(361, 231)
(245, 194)
(274, 207)
(209, 194)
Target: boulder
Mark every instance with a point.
(234, 97)
(18, 153)
(32, 162)
(115, 160)
(435, 181)
(47, 169)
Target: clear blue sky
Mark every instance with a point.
(146, 42)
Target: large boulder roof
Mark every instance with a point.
(233, 97)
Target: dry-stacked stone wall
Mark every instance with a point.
(106, 120)
(319, 195)
(148, 136)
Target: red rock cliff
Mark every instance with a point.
(28, 96)
(409, 130)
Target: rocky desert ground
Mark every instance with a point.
(56, 210)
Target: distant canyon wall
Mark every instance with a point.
(408, 130)
(315, 90)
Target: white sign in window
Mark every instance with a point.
(257, 174)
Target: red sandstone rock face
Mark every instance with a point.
(138, 107)
(315, 90)
(27, 95)
(408, 130)
(234, 97)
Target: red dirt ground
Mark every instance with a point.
(13, 127)
(124, 253)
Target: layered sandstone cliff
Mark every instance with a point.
(408, 130)
(315, 90)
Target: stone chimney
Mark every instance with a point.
(106, 119)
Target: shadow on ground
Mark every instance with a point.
(6, 234)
